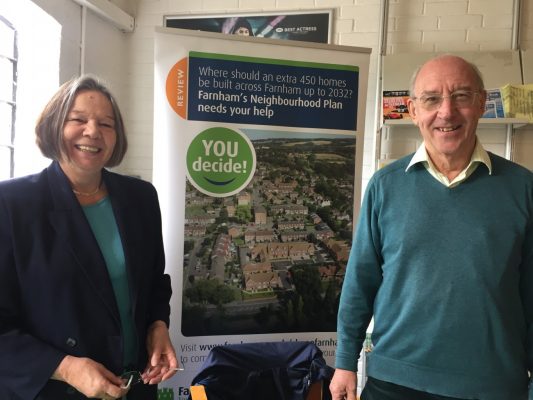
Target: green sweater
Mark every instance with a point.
(448, 276)
(103, 224)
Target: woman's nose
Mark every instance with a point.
(92, 129)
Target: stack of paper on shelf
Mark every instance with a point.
(395, 104)
(494, 104)
(518, 101)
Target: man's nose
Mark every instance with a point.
(447, 106)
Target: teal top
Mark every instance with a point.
(447, 274)
(104, 226)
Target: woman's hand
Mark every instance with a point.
(162, 361)
(90, 378)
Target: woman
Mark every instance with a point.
(242, 28)
(83, 294)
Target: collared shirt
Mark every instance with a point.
(479, 156)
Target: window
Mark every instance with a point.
(30, 42)
(8, 96)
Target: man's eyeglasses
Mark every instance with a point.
(459, 98)
(131, 378)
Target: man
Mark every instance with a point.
(443, 260)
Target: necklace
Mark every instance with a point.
(88, 194)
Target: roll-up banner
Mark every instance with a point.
(258, 147)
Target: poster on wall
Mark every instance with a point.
(309, 26)
(257, 162)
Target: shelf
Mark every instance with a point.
(406, 121)
(516, 122)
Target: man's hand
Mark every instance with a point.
(343, 385)
(162, 361)
(90, 378)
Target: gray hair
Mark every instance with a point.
(49, 127)
(477, 73)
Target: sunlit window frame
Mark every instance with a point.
(13, 101)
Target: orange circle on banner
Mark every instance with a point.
(176, 87)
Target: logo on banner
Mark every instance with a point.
(220, 162)
(176, 87)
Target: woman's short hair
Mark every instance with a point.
(49, 127)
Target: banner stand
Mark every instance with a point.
(258, 147)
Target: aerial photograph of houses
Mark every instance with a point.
(271, 258)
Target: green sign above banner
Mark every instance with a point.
(220, 162)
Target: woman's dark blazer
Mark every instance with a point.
(56, 296)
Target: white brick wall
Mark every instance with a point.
(490, 7)
(450, 21)
(447, 8)
(483, 35)
(414, 26)
(496, 21)
(423, 23)
(409, 8)
(368, 12)
(449, 36)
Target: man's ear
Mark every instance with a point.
(482, 99)
(411, 106)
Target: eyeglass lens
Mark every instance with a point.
(131, 378)
(460, 99)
